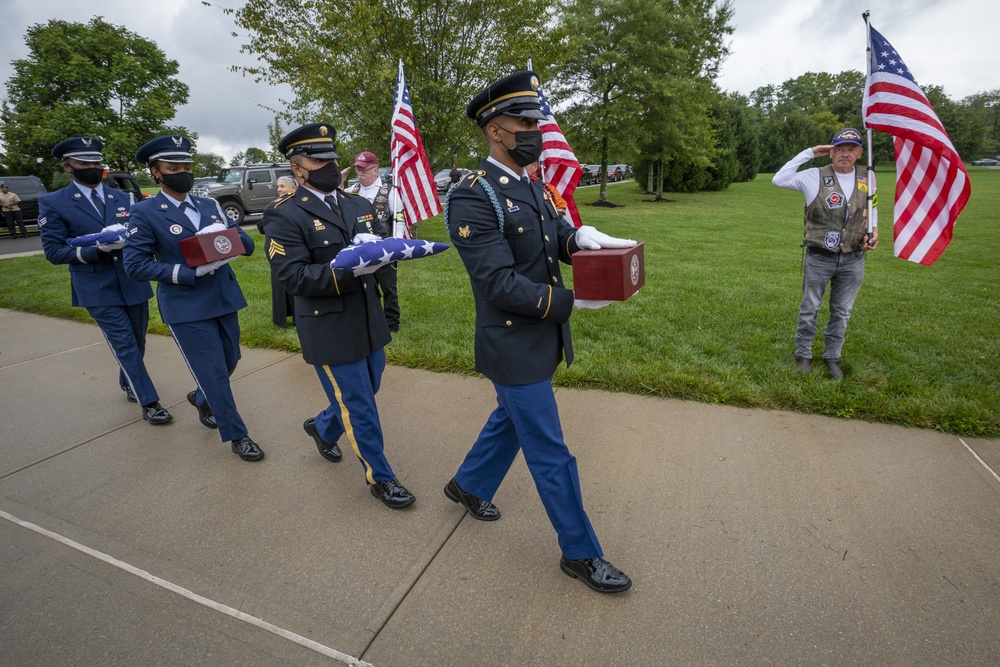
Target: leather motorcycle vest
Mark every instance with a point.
(834, 224)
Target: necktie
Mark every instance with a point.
(97, 202)
(332, 201)
(185, 206)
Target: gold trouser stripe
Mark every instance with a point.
(348, 428)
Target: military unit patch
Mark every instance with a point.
(465, 231)
(275, 248)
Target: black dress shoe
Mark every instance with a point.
(597, 573)
(205, 415)
(247, 449)
(328, 452)
(156, 414)
(130, 395)
(477, 509)
(392, 493)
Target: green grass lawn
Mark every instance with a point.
(716, 318)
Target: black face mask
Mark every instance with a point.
(527, 146)
(180, 182)
(89, 175)
(326, 178)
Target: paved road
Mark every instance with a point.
(753, 537)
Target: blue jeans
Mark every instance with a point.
(844, 273)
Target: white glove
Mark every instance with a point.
(365, 238)
(589, 238)
(213, 228)
(590, 303)
(117, 245)
(211, 266)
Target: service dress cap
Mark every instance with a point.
(84, 149)
(171, 148)
(314, 140)
(513, 95)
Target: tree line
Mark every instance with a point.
(630, 81)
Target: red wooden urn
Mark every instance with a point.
(204, 248)
(612, 274)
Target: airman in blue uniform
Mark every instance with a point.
(338, 315)
(199, 305)
(119, 304)
(511, 240)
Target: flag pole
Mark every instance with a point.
(868, 130)
(396, 201)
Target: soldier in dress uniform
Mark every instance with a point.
(340, 322)
(511, 239)
(118, 304)
(371, 187)
(198, 305)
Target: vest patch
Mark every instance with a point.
(835, 200)
(831, 240)
(828, 181)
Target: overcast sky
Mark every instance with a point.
(951, 43)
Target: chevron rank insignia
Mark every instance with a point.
(275, 248)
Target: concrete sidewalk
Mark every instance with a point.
(753, 537)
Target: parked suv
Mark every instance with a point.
(245, 189)
(124, 181)
(29, 189)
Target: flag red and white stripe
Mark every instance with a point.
(414, 183)
(561, 168)
(932, 184)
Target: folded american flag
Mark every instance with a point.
(368, 257)
(108, 235)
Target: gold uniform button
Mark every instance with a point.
(326, 243)
(555, 279)
(520, 230)
(116, 259)
(315, 312)
(546, 237)
(509, 323)
(550, 260)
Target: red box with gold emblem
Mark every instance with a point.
(204, 248)
(612, 274)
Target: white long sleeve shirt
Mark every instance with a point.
(807, 180)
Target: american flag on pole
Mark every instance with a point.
(932, 185)
(562, 169)
(410, 169)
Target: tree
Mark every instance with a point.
(341, 61)
(208, 164)
(641, 71)
(93, 79)
(253, 155)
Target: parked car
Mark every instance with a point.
(615, 173)
(29, 189)
(589, 175)
(124, 181)
(246, 189)
(442, 179)
(385, 173)
(986, 162)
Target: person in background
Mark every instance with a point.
(535, 173)
(836, 240)
(11, 211)
(341, 326)
(199, 305)
(282, 301)
(119, 304)
(511, 240)
(454, 175)
(379, 194)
